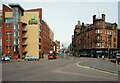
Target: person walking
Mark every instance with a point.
(42, 54)
(103, 57)
(18, 57)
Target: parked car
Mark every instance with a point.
(30, 58)
(114, 58)
(118, 56)
(23, 56)
(52, 56)
(6, 58)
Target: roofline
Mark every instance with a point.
(16, 5)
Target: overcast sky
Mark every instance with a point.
(63, 16)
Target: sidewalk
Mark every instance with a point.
(100, 64)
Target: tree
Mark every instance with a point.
(70, 47)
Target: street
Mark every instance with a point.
(61, 69)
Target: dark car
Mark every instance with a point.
(118, 56)
(52, 56)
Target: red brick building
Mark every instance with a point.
(100, 38)
(24, 32)
(45, 38)
(118, 38)
(12, 30)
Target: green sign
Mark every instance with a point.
(32, 20)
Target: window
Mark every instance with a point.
(105, 44)
(39, 46)
(8, 20)
(8, 33)
(16, 41)
(8, 39)
(114, 44)
(98, 25)
(39, 40)
(8, 47)
(99, 37)
(114, 39)
(105, 32)
(98, 31)
(109, 33)
(99, 44)
(16, 27)
(114, 33)
(8, 26)
(109, 44)
(16, 34)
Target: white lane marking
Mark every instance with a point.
(95, 69)
(60, 70)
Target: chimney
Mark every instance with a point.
(94, 17)
(82, 23)
(103, 17)
(78, 24)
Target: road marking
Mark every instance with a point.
(94, 69)
(60, 70)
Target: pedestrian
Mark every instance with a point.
(4, 57)
(42, 54)
(103, 57)
(18, 57)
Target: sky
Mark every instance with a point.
(62, 15)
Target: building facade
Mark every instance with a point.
(118, 38)
(99, 38)
(0, 32)
(12, 30)
(52, 43)
(24, 32)
(45, 38)
(57, 46)
(31, 33)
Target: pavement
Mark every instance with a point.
(102, 65)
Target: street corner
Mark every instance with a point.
(99, 66)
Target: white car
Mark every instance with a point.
(5, 59)
(30, 58)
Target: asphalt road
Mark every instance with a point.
(61, 69)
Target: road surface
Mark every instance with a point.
(61, 69)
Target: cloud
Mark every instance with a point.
(64, 42)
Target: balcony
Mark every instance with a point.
(24, 44)
(24, 51)
(39, 43)
(24, 37)
(24, 30)
(24, 24)
(15, 44)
